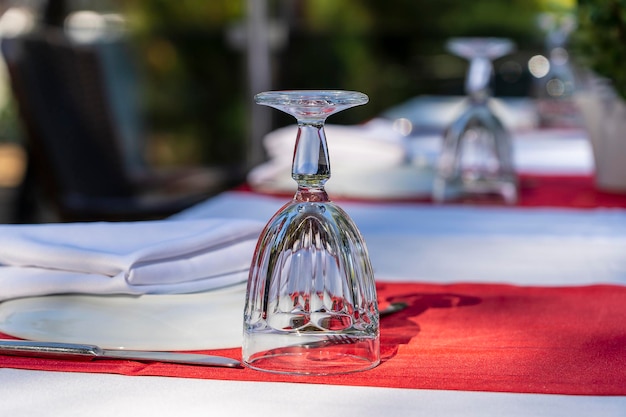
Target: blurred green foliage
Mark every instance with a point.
(10, 128)
(600, 39)
(194, 81)
(392, 50)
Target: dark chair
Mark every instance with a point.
(86, 156)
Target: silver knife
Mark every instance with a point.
(89, 352)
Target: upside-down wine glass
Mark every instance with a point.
(477, 156)
(311, 304)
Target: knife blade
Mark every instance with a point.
(88, 352)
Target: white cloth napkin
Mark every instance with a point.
(370, 143)
(151, 257)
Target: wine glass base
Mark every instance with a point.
(505, 189)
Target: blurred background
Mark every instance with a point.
(197, 64)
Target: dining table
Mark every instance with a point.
(511, 310)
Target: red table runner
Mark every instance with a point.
(574, 191)
(474, 337)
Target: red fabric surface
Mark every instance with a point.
(566, 191)
(475, 337)
(573, 191)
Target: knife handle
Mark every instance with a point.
(48, 349)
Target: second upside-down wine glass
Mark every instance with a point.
(477, 155)
(311, 303)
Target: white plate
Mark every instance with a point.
(209, 320)
(368, 182)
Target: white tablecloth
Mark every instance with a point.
(28, 394)
(451, 243)
(436, 244)
(406, 242)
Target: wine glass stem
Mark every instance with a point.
(479, 79)
(311, 164)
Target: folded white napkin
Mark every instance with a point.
(155, 257)
(370, 143)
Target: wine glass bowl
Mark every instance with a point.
(311, 281)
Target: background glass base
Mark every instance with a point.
(505, 189)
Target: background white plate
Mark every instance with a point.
(209, 320)
(370, 182)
